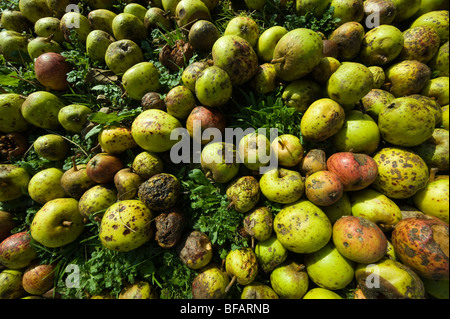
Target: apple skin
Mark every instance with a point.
(13, 179)
(102, 167)
(127, 183)
(359, 134)
(16, 251)
(245, 27)
(356, 170)
(321, 293)
(433, 199)
(268, 41)
(254, 150)
(116, 139)
(209, 118)
(57, 223)
(282, 185)
(45, 185)
(288, 150)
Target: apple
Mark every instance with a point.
(16, 251)
(433, 199)
(51, 71)
(268, 41)
(282, 185)
(189, 11)
(116, 139)
(245, 27)
(356, 170)
(45, 185)
(57, 223)
(218, 161)
(52, 147)
(255, 4)
(102, 167)
(254, 150)
(359, 134)
(13, 182)
(146, 164)
(141, 78)
(152, 130)
(289, 280)
(288, 149)
(74, 117)
(127, 183)
(75, 181)
(328, 269)
(321, 293)
(435, 150)
(96, 200)
(7, 223)
(206, 118)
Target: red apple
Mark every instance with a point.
(102, 167)
(208, 118)
(356, 170)
(51, 70)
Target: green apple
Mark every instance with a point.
(282, 185)
(289, 280)
(101, 19)
(13, 182)
(140, 79)
(445, 117)
(122, 55)
(40, 45)
(126, 225)
(210, 284)
(257, 290)
(190, 11)
(258, 223)
(218, 161)
(75, 21)
(7, 223)
(321, 293)
(270, 253)
(243, 193)
(11, 118)
(433, 199)
(328, 269)
(52, 147)
(435, 150)
(152, 130)
(97, 42)
(244, 27)
(180, 101)
(242, 264)
(128, 26)
(342, 207)
(301, 93)
(375, 206)
(11, 284)
(268, 41)
(41, 109)
(254, 150)
(136, 9)
(302, 227)
(317, 7)
(255, 4)
(156, 18)
(213, 87)
(170, 5)
(265, 80)
(49, 26)
(146, 164)
(57, 223)
(45, 185)
(288, 149)
(96, 200)
(74, 117)
(116, 139)
(389, 279)
(359, 134)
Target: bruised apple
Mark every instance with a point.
(356, 170)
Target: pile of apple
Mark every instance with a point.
(364, 190)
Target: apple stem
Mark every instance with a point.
(279, 60)
(230, 284)
(67, 223)
(231, 204)
(433, 172)
(75, 168)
